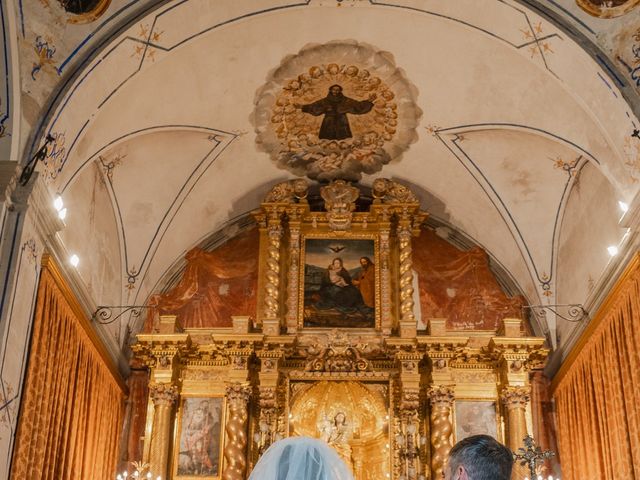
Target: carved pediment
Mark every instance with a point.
(339, 202)
(336, 352)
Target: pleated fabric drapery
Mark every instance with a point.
(72, 403)
(598, 397)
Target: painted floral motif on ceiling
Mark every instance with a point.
(336, 110)
(607, 8)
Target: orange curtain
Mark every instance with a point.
(72, 405)
(598, 398)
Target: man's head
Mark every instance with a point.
(479, 457)
(365, 262)
(335, 90)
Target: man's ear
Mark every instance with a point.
(461, 473)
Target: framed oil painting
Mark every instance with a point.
(475, 418)
(199, 438)
(339, 283)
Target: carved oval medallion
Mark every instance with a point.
(336, 111)
(607, 8)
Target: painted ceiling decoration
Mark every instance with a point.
(336, 111)
(511, 120)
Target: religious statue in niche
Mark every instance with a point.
(335, 111)
(337, 432)
(339, 283)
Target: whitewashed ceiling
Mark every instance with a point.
(524, 142)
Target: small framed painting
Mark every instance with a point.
(475, 417)
(199, 441)
(339, 283)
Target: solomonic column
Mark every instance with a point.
(164, 396)
(235, 451)
(441, 399)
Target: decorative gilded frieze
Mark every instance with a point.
(335, 353)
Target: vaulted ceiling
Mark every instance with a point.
(524, 143)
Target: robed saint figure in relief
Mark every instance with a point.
(335, 107)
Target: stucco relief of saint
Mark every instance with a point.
(335, 107)
(327, 120)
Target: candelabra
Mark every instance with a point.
(409, 446)
(531, 456)
(142, 471)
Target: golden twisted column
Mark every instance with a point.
(406, 275)
(272, 287)
(441, 399)
(164, 396)
(236, 430)
(515, 400)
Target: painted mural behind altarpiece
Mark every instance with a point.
(453, 284)
(213, 287)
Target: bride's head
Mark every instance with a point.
(300, 458)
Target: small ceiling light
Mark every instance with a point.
(74, 260)
(613, 250)
(62, 214)
(57, 203)
(623, 206)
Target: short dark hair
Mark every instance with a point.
(483, 458)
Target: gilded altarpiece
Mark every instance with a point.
(332, 354)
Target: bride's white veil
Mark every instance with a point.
(300, 458)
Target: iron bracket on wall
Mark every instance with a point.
(104, 314)
(571, 312)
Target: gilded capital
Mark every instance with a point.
(163, 393)
(441, 395)
(238, 393)
(515, 397)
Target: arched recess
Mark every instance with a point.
(147, 175)
(528, 174)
